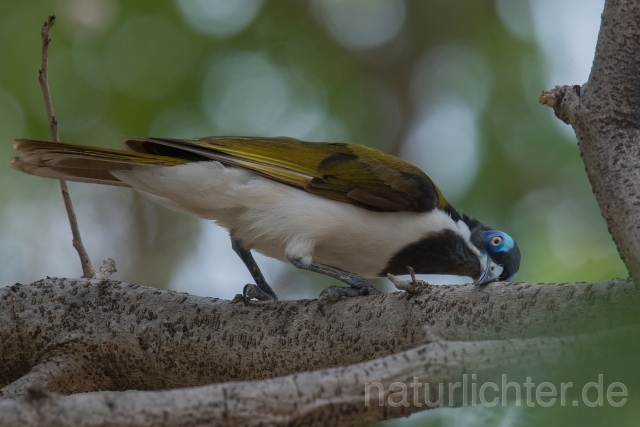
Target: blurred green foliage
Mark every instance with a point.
(250, 67)
(370, 72)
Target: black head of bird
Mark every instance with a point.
(344, 210)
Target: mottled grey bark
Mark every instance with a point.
(605, 114)
(338, 396)
(83, 335)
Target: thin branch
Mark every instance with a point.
(43, 78)
(87, 269)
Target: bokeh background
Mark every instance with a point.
(450, 85)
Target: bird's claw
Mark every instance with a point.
(253, 291)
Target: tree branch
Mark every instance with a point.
(355, 395)
(605, 114)
(84, 335)
(109, 266)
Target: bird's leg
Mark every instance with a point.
(357, 285)
(261, 290)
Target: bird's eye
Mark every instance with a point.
(495, 241)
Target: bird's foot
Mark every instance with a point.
(253, 291)
(261, 290)
(358, 286)
(336, 293)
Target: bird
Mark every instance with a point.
(344, 210)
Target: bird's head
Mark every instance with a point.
(499, 254)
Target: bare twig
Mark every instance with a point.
(42, 77)
(87, 269)
(413, 275)
(413, 287)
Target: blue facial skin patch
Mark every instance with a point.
(505, 246)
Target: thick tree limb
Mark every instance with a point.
(605, 114)
(84, 335)
(396, 387)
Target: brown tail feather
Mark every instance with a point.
(67, 174)
(80, 163)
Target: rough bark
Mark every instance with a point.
(69, 336)
(85, 335)
(605, 114)
(337, 396)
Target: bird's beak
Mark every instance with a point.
(490, 270)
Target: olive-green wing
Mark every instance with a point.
(340, 171)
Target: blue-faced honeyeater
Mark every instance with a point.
(344, 210)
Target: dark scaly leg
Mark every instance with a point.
(357, 285)
(261, 290)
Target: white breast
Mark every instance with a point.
(281, 221)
